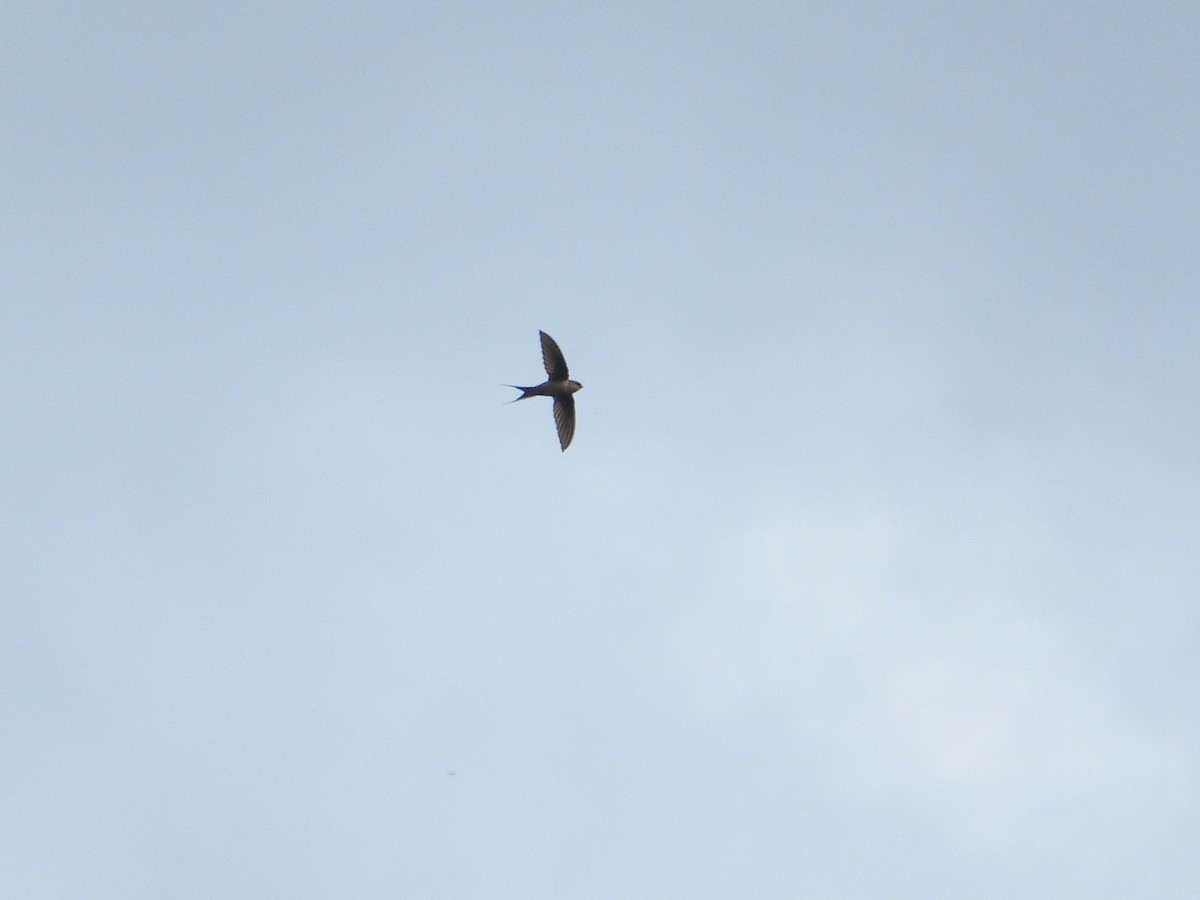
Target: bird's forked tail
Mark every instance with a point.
(525, 392)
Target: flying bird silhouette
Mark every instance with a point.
(557, 385)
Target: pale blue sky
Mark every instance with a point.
(873, 568)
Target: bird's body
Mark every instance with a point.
(557, 386)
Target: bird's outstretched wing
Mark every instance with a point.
(564, 419)
(552, 358)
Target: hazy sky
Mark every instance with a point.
(873, 570)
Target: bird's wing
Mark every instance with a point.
(552, 359)
(564, 419)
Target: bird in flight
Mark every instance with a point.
(556, 385)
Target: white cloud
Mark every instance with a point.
(932, 655)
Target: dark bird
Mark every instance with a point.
(558, 386)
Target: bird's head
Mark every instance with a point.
(574, 386)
